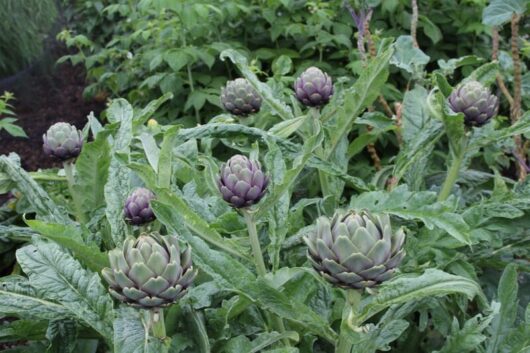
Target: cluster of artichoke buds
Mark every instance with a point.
(475, 101)
(137, 210)
(241, 182)
(62, 141)
(149, 272)
(313, 87)
(240, 98)
(355, 250)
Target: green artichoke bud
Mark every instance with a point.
(355, 250)
(475, 101)
(62, 141)
(240, 98)
(149, 272)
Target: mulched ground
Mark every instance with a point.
(45, 94)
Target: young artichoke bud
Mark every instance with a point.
(149, 272)
(313, 87)
(355, 250)
(240, 98)
(137, 210)
(62, 141)
(475, 101)
(242, 182)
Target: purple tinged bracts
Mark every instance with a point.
(242, 182)
(475, 101)
(62, 141)
(240, 98)
(313, 87)
(137, 210)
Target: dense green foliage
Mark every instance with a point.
(24, 25)
(386, 144)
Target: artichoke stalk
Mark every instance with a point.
(313, 87)
(355, 250)
(137, 210)
(475, 101)
(240, 98)
(62, 141)
(242, 182)
(149, 272)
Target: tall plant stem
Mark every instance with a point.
(261, 269)
(323, 178)
(353, 298)
(453, 171)
(414, 23)
(69, 171)
(158, 326)
(515, 112)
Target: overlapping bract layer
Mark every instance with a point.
(137, 210)
(355, 250)
(62, 141)
(313, 87)
(149, 272)
(240, 98)
(475, 101)
(242, 182)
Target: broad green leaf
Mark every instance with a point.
(499, 12)
(19, 298)
(130, 334)
(485, 74)
(407, 57)
(405, 288)
(70, 237)
(59, 277)
(416, 205)
(504, 320)
(152, 152)
(19, 330)
(44, 206)
(414, 113)
(118, 184)
(277, 106)
(165, 167)
(286, 128)
(62, 335)
(467, 338)
(92, 168)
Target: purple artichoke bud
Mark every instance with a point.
(475, 101)
(137, 210)
(355, 250)
(240, 98)
(313, 87)
(242, 182)
(150, 272)
(62, 141)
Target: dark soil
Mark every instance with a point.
(45, 94)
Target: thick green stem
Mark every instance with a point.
(158, 326)
(453, 171)
(69, 171)
(254, 244)
(322, 176)
(353, 298)
(277, 322)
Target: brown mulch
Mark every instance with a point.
(45, 94)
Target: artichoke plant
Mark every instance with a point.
(149, 272)
(313, 87)
(137, 210)
(475, 101)
(355, 250)
(62, 141)
(240, 98)
(241, 182)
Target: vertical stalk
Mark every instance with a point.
(515, 112)
(452, 172)
(69, 171)
(353, 298)
(414, 23)
(190, 80)
(323, 178)
(158, 326)
(261, 269)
